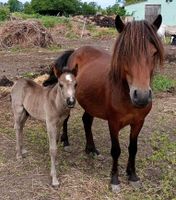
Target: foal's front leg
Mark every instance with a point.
(52, 134)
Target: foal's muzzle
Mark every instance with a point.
(140, 98)
(71, 102)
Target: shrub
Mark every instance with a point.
(4, 13)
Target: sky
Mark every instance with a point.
(102, 3)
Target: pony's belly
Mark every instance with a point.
(91, 104)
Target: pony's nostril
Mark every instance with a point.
(150, 94)
(135, 94)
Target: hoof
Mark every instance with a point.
(136, 184)
(92, 151)
(19, 157)
(55, 183)
(24, 152)
(115, 188)
(68, 149)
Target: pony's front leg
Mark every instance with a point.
(52, 134)
(131, 169)
(115, 153)
(64, 136)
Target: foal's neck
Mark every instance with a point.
(57, 97)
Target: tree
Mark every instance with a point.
(55, 6)
(115, 9)
(28, 8)
(15, 5)
(88, 8)
(4, 12)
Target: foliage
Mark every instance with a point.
(28, 8)
(51, 21)
(88, 9)
(56, 6)
(133, 1)
(163, 83)
(4, 13)
(63, 7)
(115, 9)
(15, 5)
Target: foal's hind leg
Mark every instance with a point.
(20, 116)
(131, 169)
(90, 146)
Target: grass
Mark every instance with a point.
(47, 21)
(30, 75)
(162, 83)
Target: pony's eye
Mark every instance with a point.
(76, 85)
(154, 54)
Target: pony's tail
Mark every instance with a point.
(59, 64)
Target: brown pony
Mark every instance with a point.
(117, 88)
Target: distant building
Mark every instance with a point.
(149, 9)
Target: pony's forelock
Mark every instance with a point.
(131, 44)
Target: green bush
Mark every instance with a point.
(51, 21)
(4, 13)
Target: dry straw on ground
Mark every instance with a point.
(28, 33)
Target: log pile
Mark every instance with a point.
(98, 20)
(103, 21)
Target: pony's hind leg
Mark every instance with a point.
(131, 169)
(90, 146)
(20, 117)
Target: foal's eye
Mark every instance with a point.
(61, 85)
(76, 85)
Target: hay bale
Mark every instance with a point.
(28, 33)
(40, 79)
(4, 91)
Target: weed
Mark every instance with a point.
(162, 83)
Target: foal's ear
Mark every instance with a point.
(56, 71)
(75, 70)
(119, 24)
(157, 22)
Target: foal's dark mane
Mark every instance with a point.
(132, 44)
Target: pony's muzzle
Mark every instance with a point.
(140, 98)
(71, 102)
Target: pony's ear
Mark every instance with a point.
(56, 71)
(157, 22)
(119, 24)
(75, 70)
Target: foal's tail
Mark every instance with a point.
(59, 64)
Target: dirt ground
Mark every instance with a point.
(83, 177)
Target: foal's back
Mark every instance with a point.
(29, 95)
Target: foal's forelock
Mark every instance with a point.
(132, 46)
